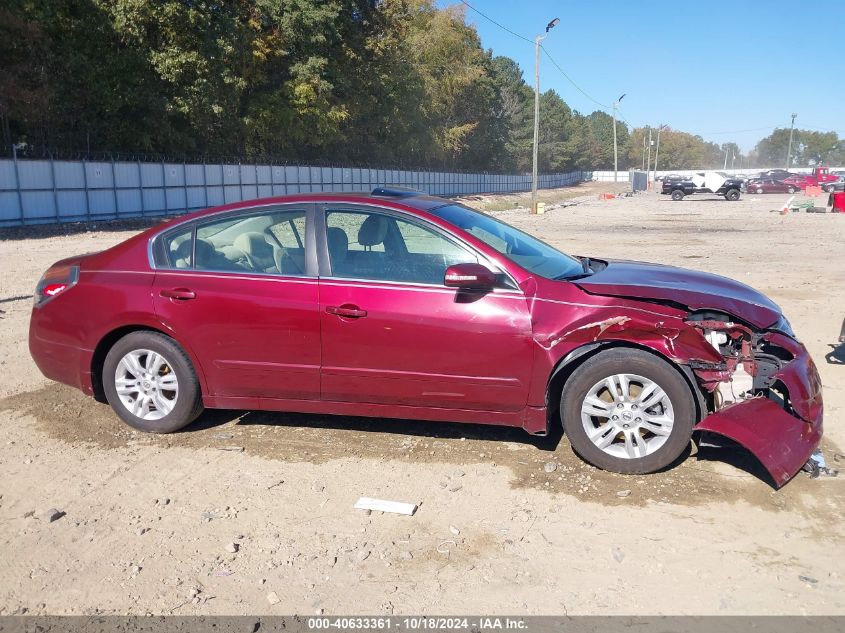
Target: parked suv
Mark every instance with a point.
(710, 182)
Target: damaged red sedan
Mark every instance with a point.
(402, 305)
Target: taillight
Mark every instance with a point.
(54, 282)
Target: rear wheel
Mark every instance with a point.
(677, 195)
(791, 190)
(732, 195)
(627, 411)
(150, 383)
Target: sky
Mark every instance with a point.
(728, 71)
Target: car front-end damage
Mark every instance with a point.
(758, 384)
(765, 394)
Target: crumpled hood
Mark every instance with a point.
(696, 290)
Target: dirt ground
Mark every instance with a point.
(150, 522)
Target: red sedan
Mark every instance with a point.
(398, 304)
(770, 185)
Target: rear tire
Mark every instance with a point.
(791, 190)
(732, 195)
(677, 195)
(150, 383)
(635, 448)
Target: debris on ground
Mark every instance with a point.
(380, 505)
(232, 548)
(232, 449)
(623, 493)
(618, 554)
(51, 515)
(550, 467)
(816, 466)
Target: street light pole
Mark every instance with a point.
(537, 41)
(615, 149)
(789, 149)
(648, 162)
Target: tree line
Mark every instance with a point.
(378, 82)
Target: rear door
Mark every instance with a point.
(393, 333)
(241, 291)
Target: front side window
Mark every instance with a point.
(521, 248)
(373, 245)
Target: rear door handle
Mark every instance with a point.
(348, 311)
(178, 293)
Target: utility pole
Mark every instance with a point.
(615, 149)
(727, 150)
(657, 149)
(789, 149)
(537, 41)
(648, 162)
(644, 146)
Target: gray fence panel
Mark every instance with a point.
(99, 176)
(39, 191)
(129, 202)
(249, 174)
(231, 175)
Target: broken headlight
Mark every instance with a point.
(783, 326)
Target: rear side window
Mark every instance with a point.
(271, 241)
(178, 249)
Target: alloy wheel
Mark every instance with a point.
(627, 416)
(146, 384)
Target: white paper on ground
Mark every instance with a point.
(380, 505)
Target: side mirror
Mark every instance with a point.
(469, 277)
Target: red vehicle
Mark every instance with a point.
(821, 177)
(770, 185)
(401, 305)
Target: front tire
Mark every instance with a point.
(150, 383)
(790, 190)
(677, 195)
(627, 411)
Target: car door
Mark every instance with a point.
(393, 333)
(241, 291)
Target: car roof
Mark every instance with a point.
(398, 198)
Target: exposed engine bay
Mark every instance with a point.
(758, 396)
(751, 361)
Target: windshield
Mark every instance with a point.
(529, 252)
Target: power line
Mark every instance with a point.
(577, 87)
(501, 26)
(530, 41)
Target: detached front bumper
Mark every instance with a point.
(781, 436)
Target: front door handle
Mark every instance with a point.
(182, 294)
(348, 311)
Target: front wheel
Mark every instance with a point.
(627, 411)
(677, 195)
(732, 195)
(791, 190)
(150, 383)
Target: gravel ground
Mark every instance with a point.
(250, 512)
